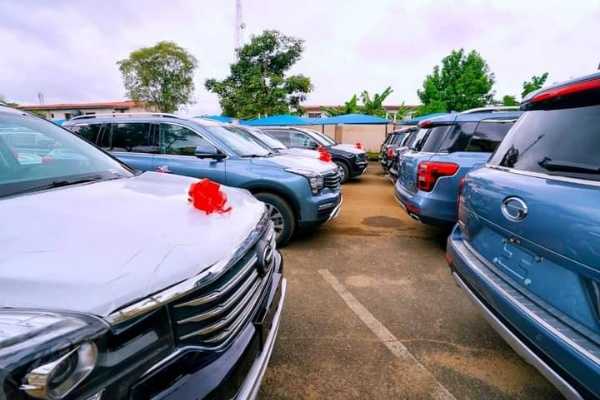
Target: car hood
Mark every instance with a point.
(290, 161)
(94, 248)
(349, 148)
(301, 153)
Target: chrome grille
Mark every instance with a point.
(332, 180)
(215, 313)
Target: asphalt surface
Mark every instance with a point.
(373, 313)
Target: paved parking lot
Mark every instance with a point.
(373, 313)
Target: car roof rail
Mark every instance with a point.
(491, 109)
(124, 115)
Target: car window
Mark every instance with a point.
(488, 135)
(282, 136)
(268, 140)
(36, 154)
(134, 137)
(179, 140)
(301, 139)
(435, 137)
(458, 137)
(90, 132)
(320, 138)
(410, 139)
(561, 142)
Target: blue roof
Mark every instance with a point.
(356, 119)
(277, 120)
(416, 120)
(220, 118)
(58, 122)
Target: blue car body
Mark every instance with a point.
(258, 174)
(527, 245)
(450, 146)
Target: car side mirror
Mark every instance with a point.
(313, 146)
(208, 151)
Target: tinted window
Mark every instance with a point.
(282, 136)
(134, 137)
(488, 135)
(410, 139)
(458, 137)
(557, 142)
(419, 139)
(240, 141)
(396, 138)
(180, 140)
(88, 132)
(301, 139)
(431, 141)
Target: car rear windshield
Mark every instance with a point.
(428, 140)
(561, 142)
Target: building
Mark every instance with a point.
(316, 111)
(65, 111)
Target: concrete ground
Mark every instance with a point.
(373, 313)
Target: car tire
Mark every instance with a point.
(344, 171)
(282, 216)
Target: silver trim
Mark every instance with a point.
(519, 347)
(203, 278)
(251, 385)
(545, 176)
(129, 115)
(487, 109)
(336, 211)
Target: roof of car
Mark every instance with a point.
(138, 117)
(476, 116)
(10, 110)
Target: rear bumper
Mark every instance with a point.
(425, 208)
(575, 374)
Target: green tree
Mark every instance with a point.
(257, 84)
(462, 82)
(509, 101)
(534, 84)
(349, 107)
(161, 76)
(374, 106)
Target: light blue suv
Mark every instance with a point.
(299, 192)
(444, 150)
(526, 248)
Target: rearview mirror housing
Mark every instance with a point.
(209, 151)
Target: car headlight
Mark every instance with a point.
(315, 180)
(47, 355)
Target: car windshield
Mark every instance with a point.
(240, 141)
(37, 155)
(323, 140)
(268, 140)
(561, 142)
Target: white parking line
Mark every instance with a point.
(384, 335)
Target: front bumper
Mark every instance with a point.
(524, 326)
(233, 373)
(320, 209)
(358, 168)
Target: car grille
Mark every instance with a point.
(332, 180)
(213, 314)
(361, 157)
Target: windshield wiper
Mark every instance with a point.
(568, 166)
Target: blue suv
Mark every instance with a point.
(527, 245)
(299, 192)
(444, 150)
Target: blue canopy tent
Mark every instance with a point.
(353, 119)
(416, 120)
(220, 118)
(277, 120)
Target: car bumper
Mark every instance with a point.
(358, 168)
(235, 373)
(521, 327)
(424, 208)
(321, 209)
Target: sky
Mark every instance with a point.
(68, 50)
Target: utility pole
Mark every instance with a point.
(239, 25)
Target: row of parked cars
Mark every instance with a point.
(113, 286)
(521, 190)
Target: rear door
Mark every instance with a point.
(535, 212)
(425, 143)
(134, 143)
(177, 154)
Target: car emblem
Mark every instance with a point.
(514, 209)
(264, 254)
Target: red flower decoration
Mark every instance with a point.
(324, 155)
(358, 145)
(207, 196)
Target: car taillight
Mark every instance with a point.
(390, 152)
(430, 171)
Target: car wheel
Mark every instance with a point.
(282, 216)
(344, 171)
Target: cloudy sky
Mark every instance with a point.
(67, 50)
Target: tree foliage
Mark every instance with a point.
(349, 107)
(257, 84)
(509, 101)
(462, 82)
(374, 105)
(534, 84)
(161, 76)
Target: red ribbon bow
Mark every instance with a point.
(359, 145)
(324, 154)
(207, 196)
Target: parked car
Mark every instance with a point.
(298, 193)
(386, 151)
(351, 161)
(527, 245)
(444, 150)
(112, 286)
(408, 141)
